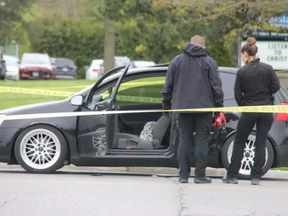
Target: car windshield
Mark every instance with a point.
(121, 61)
(35, 59)
(10, 61)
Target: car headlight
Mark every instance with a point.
(22, 67)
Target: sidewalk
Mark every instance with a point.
(161, 171)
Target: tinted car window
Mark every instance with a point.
(144, 90)
(228, 81)
(64, 63)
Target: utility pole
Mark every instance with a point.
(109, 40)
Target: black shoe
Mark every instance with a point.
(229, 180)
(181, 180)
(255, 181)
(204, 180)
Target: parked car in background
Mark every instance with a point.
(63, 68)
(36, 66)
(43, 145)
(12, 67)
(96, 68)
(2, 66)
(93, 71)
(139, 64)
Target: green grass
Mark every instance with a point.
(8, 100)
(280, 168)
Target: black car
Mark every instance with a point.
(63, 68)
(44, 145)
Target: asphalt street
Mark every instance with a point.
(81, 191)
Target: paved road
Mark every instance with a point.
(73, 193)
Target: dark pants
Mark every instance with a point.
(201, 123)
(245, 125)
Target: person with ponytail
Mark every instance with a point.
(255, 84)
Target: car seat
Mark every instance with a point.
(151, 136)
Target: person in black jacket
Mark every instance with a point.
(194, 82)
(255, 84)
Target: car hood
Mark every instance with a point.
(10, 68)
(36, 65)
(47, 107)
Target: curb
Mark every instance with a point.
(160, 171)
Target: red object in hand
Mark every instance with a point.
(220, 120)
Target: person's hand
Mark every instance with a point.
(165, 111)
(219, 104)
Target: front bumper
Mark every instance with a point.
(36, 73)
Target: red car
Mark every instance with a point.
(36, 66)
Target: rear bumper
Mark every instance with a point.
(64, 75)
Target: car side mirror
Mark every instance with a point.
(77, 100)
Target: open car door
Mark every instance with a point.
(112, 119)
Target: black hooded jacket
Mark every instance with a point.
(193, 80)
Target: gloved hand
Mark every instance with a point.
(218, 104)
(166, 113)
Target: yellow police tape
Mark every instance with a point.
(247, 109)
(36, 91)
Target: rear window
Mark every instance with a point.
(228, 81)
(283, 95)
(64, 63)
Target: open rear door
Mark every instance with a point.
(112, 120)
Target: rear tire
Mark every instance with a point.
(248, 158)
(40, 149)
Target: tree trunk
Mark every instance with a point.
(109, 45)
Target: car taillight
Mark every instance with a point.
(95, 70)
(282, 116)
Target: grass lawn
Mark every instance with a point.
(280, 168)
(8, 100)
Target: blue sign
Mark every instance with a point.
(281, 21)
(264, 34)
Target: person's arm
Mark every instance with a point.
(168, 87)
(238, 89)
(275, 84)
(216, 83)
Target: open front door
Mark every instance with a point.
(112, 120)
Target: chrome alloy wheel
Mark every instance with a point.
(248, 155)
(40, 148)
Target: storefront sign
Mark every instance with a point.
(274, 53)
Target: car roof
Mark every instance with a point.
(158, 68)
(60, 59)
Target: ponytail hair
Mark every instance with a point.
(250, 47)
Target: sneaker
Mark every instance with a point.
(204, 180)
(181, 180)
(229, 180)
(255, 181)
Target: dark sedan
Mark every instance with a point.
(134, 139)
(63, 68)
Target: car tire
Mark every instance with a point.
(41, 149)
(246, 165)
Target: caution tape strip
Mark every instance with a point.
(36, 91)
(246, 109)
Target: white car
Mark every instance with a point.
(139, 63)
(96, 68)
(12, 67)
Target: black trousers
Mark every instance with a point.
(245, 125)
(201, 123)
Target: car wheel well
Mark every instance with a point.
(12, 154)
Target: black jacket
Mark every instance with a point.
(255, 84)
(193, 80)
